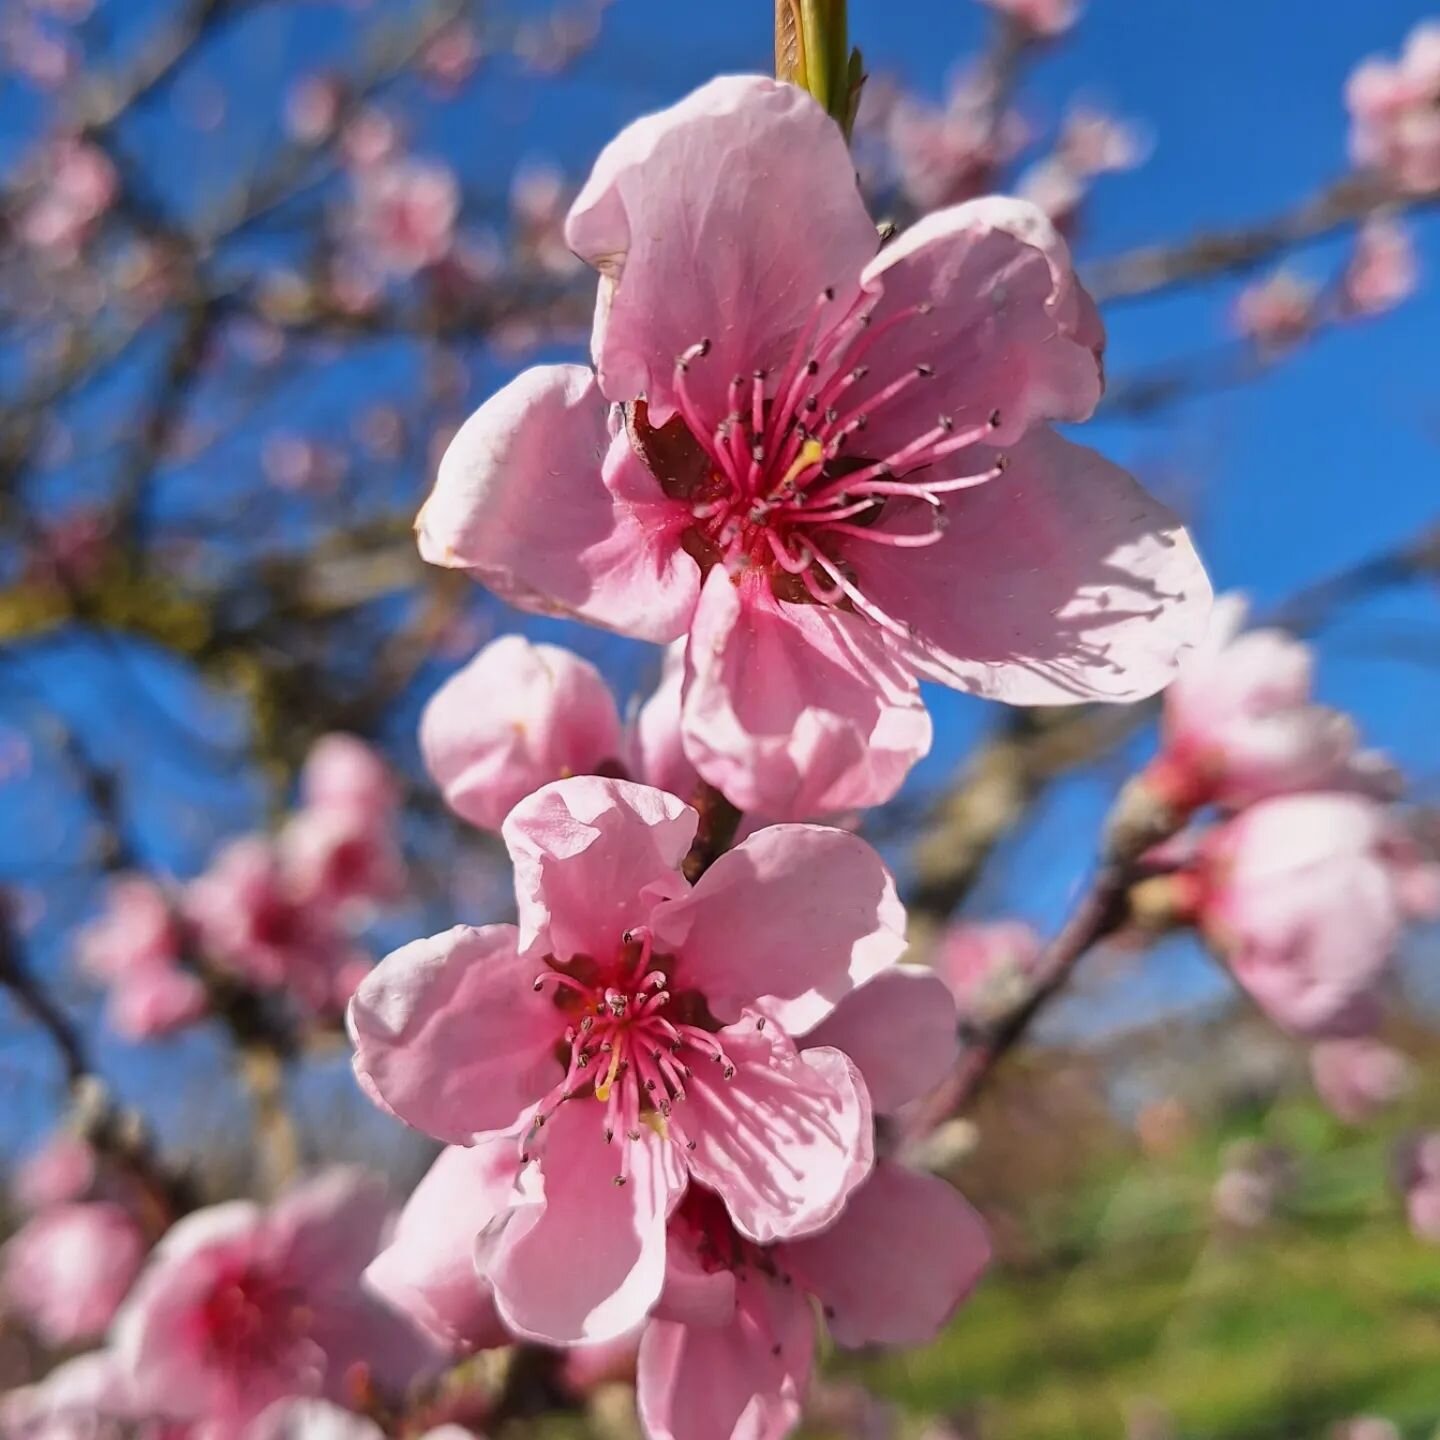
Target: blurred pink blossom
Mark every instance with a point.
(1045, 18)
(312, 108)
(1304, 897)
(74, 188)
(950, 153)
(66, 1271)
(1419, 1177)
(989, 967)
(346, 774)
(405, 214)
(1395, 112)
(451, 58)
(241, 1306)
(86, 1398)
(370, 137)
(1277, 312)
(515, 718)
(250, 919)
(1239, 723)
(815, 589)
(1383, 270)
(1256, 1178)
(61, 1170)
(539, 200)
(311, 1419)
(1356, 1078)
(38, 54)
(301, 466)
(474, 1032)
(134, 948)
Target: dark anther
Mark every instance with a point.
(946, 423)
(832, 415)
(812, 404)
(619, 1180)
(539, 983)
(704, 348)
(828, 292)
(760, 1023)
(994, 419)
(859, 372)
(812, 367)
(690, 1144)
(925, 370)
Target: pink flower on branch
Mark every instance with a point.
(830, 466)
(405, 214)
(1383, 270)
(1277, 312)
(241, 1306)
(635, 1033)
(1356, 1078)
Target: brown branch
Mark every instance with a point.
(1228, 252)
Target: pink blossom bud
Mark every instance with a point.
(515, 718)
(1278, 312)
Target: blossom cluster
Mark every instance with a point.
(1304, 871)
(272, 914)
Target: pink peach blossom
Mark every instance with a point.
(405, 214)
(730, 1350)
(665, 1014)
(1045, 18)
(370, 138)
(1277, 312)
(515, 718)
(241, 1306)
(781, 491)
(988, 966)
(62, 1169)
(249, 919)
(451, 58)
(134, 950)
(1383, 270)
(1395, 112)
(1356, 1078)
(336, 859)
(1239, 723)
(1304, 897)
(66, 1271)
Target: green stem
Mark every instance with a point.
(812, 50)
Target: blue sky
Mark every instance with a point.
(1333, 455)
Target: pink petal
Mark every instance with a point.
(592, 859)
(1009, 327)
(896, 1264)
(796, 916)
(724, 217)
(342, 772)
(536, 502)
(329, 1227)
(796, 710)
(695, 1293)
(450, 1036)
(427, 1270)
(1060, 581)
(515, 718)
(657, 752)
(727, 1382)
(151, 1003)
(899, 1029)
(785, 1140)
(587, 1262)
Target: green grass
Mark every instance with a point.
(1332, 1311)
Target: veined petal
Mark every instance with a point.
(539, 501)
(723, 218)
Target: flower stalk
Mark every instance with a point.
(812, 50)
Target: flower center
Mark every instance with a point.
(784, 474)
(631, 1041)
(250, 1319)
